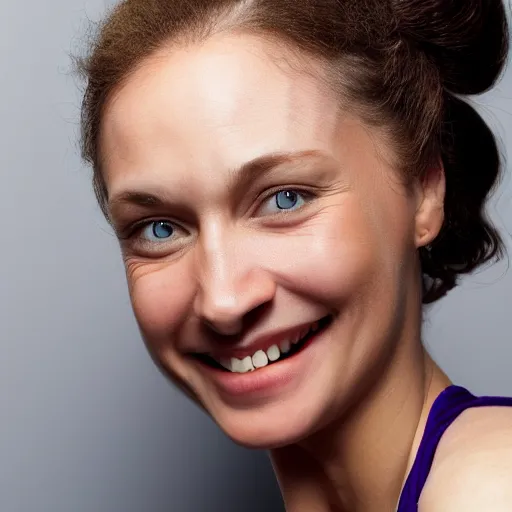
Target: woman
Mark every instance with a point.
(290, 182)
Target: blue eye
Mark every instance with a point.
(158, 231)
(287, 200)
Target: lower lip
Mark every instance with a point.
(270, 379)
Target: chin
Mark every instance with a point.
(265, 431)
(276, 424)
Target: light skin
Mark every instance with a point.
(344, 423)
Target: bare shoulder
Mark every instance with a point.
(472, 469)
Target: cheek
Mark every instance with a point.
(343, 254)
(161, 295)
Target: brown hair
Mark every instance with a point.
(405, 63)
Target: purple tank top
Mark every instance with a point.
(448, 405)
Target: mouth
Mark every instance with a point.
(285, 349)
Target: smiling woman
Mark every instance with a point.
(290, 182)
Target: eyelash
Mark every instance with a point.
(135, 230)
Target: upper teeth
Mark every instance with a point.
(263, 357)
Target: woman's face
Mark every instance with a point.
(254, 213)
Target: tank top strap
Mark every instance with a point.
(447, 407)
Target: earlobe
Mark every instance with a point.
(430, 205)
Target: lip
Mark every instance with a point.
(270, 380)
(261, 343)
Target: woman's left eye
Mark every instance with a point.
(284, 200)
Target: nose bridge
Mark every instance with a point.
(230, 284)
(220, 269)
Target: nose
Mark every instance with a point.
(230, 288)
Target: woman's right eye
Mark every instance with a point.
(154, 239)
(157, 232)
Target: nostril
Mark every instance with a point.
(233, 323)
(256, 315)
(224, 327)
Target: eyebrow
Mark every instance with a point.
(241, 177)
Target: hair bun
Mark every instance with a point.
(467, 38)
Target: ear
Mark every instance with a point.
(430, 194)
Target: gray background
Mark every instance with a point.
(86, 422)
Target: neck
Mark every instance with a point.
(360, 462)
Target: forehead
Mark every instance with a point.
(232, 98)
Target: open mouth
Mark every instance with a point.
(262, 358)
